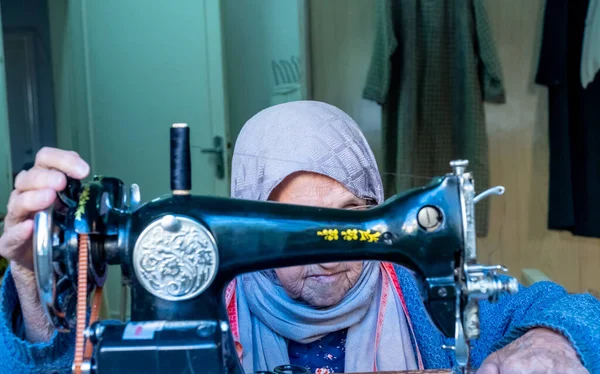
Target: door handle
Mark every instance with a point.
(219, 152)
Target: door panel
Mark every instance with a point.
(21, 86)
(28, 106)
(149, 67)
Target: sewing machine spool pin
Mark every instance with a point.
(181, 160)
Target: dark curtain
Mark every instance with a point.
(574, 121)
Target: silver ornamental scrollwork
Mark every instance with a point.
(176, 262)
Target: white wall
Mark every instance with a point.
(255, 32)
(342, 33)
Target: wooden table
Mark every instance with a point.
(445, 371)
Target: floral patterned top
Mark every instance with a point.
(323, 356)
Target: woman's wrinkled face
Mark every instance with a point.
(319, 285)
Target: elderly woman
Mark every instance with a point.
(327, 317)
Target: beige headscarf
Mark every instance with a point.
(316, 137)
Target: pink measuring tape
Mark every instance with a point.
(388, 269)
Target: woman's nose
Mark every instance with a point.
(330, 265)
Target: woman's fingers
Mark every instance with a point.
(538, 351)
(488, 368)
(39, 178)
(24, 204)
(35, 190)
(67, 162)
(15, 242)
(12, 240)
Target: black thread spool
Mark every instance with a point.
(181, 161)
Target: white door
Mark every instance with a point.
(135, 68)
(124, 71)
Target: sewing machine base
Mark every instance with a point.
(155, 347)
(163, 347)
(160, 347)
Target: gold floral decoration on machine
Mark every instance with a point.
(351, 235)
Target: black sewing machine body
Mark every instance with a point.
(179, 252)
(252, 236)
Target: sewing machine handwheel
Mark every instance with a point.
(44, 238)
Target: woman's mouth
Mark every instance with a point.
(325, 278)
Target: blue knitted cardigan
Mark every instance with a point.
(543, 304)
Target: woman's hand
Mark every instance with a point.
(35, 190)
(538, 351)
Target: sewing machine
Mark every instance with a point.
(179, 252)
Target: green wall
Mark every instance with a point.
(69, 72)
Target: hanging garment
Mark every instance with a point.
(573, 123)
(590, 56)
(433, 65)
